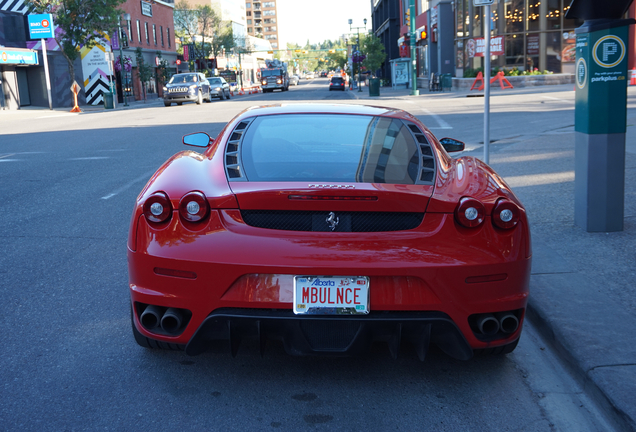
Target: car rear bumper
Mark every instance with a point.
(421, 271)
(332, 335)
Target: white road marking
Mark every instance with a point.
(90, 158)
(128, 185)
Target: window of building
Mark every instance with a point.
(269, 12)
(154, 33)
(147, 33)
(270, 20)
(130, 33)
(249, 29)
(249, 22)
(269, 4)
(168, 36)
(274, 44)
(138, 31)
(248, 5)
(248, 13)
(161, 31)
(257, 14)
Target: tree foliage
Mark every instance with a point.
(373, 48)
(144, 70)
(83, 23)
(203, 27)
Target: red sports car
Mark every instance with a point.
(328, 227)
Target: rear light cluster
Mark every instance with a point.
(471, 213)
(193, 207)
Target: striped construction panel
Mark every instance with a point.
(14, 6)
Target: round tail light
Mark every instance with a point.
(194, 207)
(470, 212)
(505, 215)
(157, 208)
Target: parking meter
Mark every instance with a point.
(600, 113)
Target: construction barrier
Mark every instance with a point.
(247, 90)
(503, 81)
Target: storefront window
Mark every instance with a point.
(514, 16)
(553, 51)
(554, 15)
(533, 15)
(514, 51)
(461, 4)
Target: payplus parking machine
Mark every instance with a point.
(600, 113)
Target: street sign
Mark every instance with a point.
(483, 2)
(41, 26)
(178, 62)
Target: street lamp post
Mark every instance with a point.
(358, 29)
(121, 59)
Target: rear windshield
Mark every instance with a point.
(271, 72)
(327, 147)
(337, 80)
(214, 80)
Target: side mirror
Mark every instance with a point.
(198, 139)
(452, 145)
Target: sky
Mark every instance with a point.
(300, 20)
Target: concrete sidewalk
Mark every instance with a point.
(582, 288)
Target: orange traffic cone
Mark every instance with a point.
(632, 82)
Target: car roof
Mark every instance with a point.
(319, 108)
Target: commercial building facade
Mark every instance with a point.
(261, 21)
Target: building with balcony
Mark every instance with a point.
(261, 21)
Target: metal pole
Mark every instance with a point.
(359, 71)
(487, 87)
(414, 90)
(46, 73)
(121, 67)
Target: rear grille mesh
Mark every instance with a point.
(317, 220)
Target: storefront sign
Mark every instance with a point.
(146, 8)
(477, 46)
(26, 57)
(533, 45)
(41, 26)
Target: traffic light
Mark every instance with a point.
(423, 34)
(407, 39)
(408, 17)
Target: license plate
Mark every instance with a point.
(331, 295)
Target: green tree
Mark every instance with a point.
(144, 70)
(373, 48)
(200, 24)
(163, 74)
(83, 23)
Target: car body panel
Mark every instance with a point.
(440, 272)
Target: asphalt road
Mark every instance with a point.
(69, 362)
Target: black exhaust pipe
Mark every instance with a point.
(488, 324)
(171, 321)
(151, 317)
(508, 322)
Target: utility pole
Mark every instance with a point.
(414, 90)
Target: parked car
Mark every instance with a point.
(186, 87)
(328, 227)
(219, 88)
(294, 79)
(337, 83)
(309, 75)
